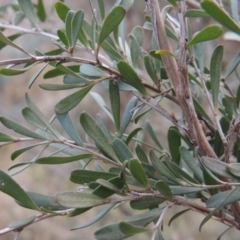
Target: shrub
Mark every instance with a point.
(195, 165)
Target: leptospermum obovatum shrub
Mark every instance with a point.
(198, 163)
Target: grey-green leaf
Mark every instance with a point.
(41, 13)
(215, 72)
(141, 154)
(108, 185)
(101, 8)
(62, 10)
(217, 12)
(115, 103)
(127, 115)
(19, 128)
(32, 118)
(174, 142)
(232, 66)
(164, 189)
(152, 134)
(218, 167)
(92, 71)
(28, 9)
(43, 201)
(192, 163)
(208, 33)
(130, 229)
(138, 172)
(40, 116)
(224, 198)
(177, 215)
(10, 38)
(22, 222)
(62, 160)
(6, 138)
(79, 200)
(86, 176)
(68, 26)
(36, 75)
(76, 25)
(63, 37)
(194, 13)
(111, 22)
(18, 152)
(97, 217)
(96, 133)
(234, 168)
(71, 101)
(135, 51)
(121, 149)
(7, 41)
(150, 69)
(69, 127)
(13, 189)
(131, 77)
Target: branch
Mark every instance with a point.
(232, 137)
(154, 105)
(37, 219)
(193, 4)
(62, 59)
(215, 115)
(178, 75)
(28, 31)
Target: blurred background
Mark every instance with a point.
(52, 179)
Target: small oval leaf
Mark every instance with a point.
(164, 189)
(13, 189)
(62, 10)
(111, 22)
(92, 71)
(71, 101)
(19, 128)
(131, 77)
(217, 12)
(130, 229)
(138, 172)
(22, 222)
(208, 33)
(28, 9)
(79, 200)
(115, 103)
(234, 168)
(96, 133)
(6, 138)
(121, 149)
(86, 176)
(215, 72)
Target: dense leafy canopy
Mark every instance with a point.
(199, 159)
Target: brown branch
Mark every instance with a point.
(178, 75)
(232, 138)
(193, 4)
(37, 219)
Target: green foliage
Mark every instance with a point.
(129, 154)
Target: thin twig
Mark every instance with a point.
(28, 31)
(160, 221)
(193, 4)
(232, 138)
(37, 219)
(215, 115)
(154, 105)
